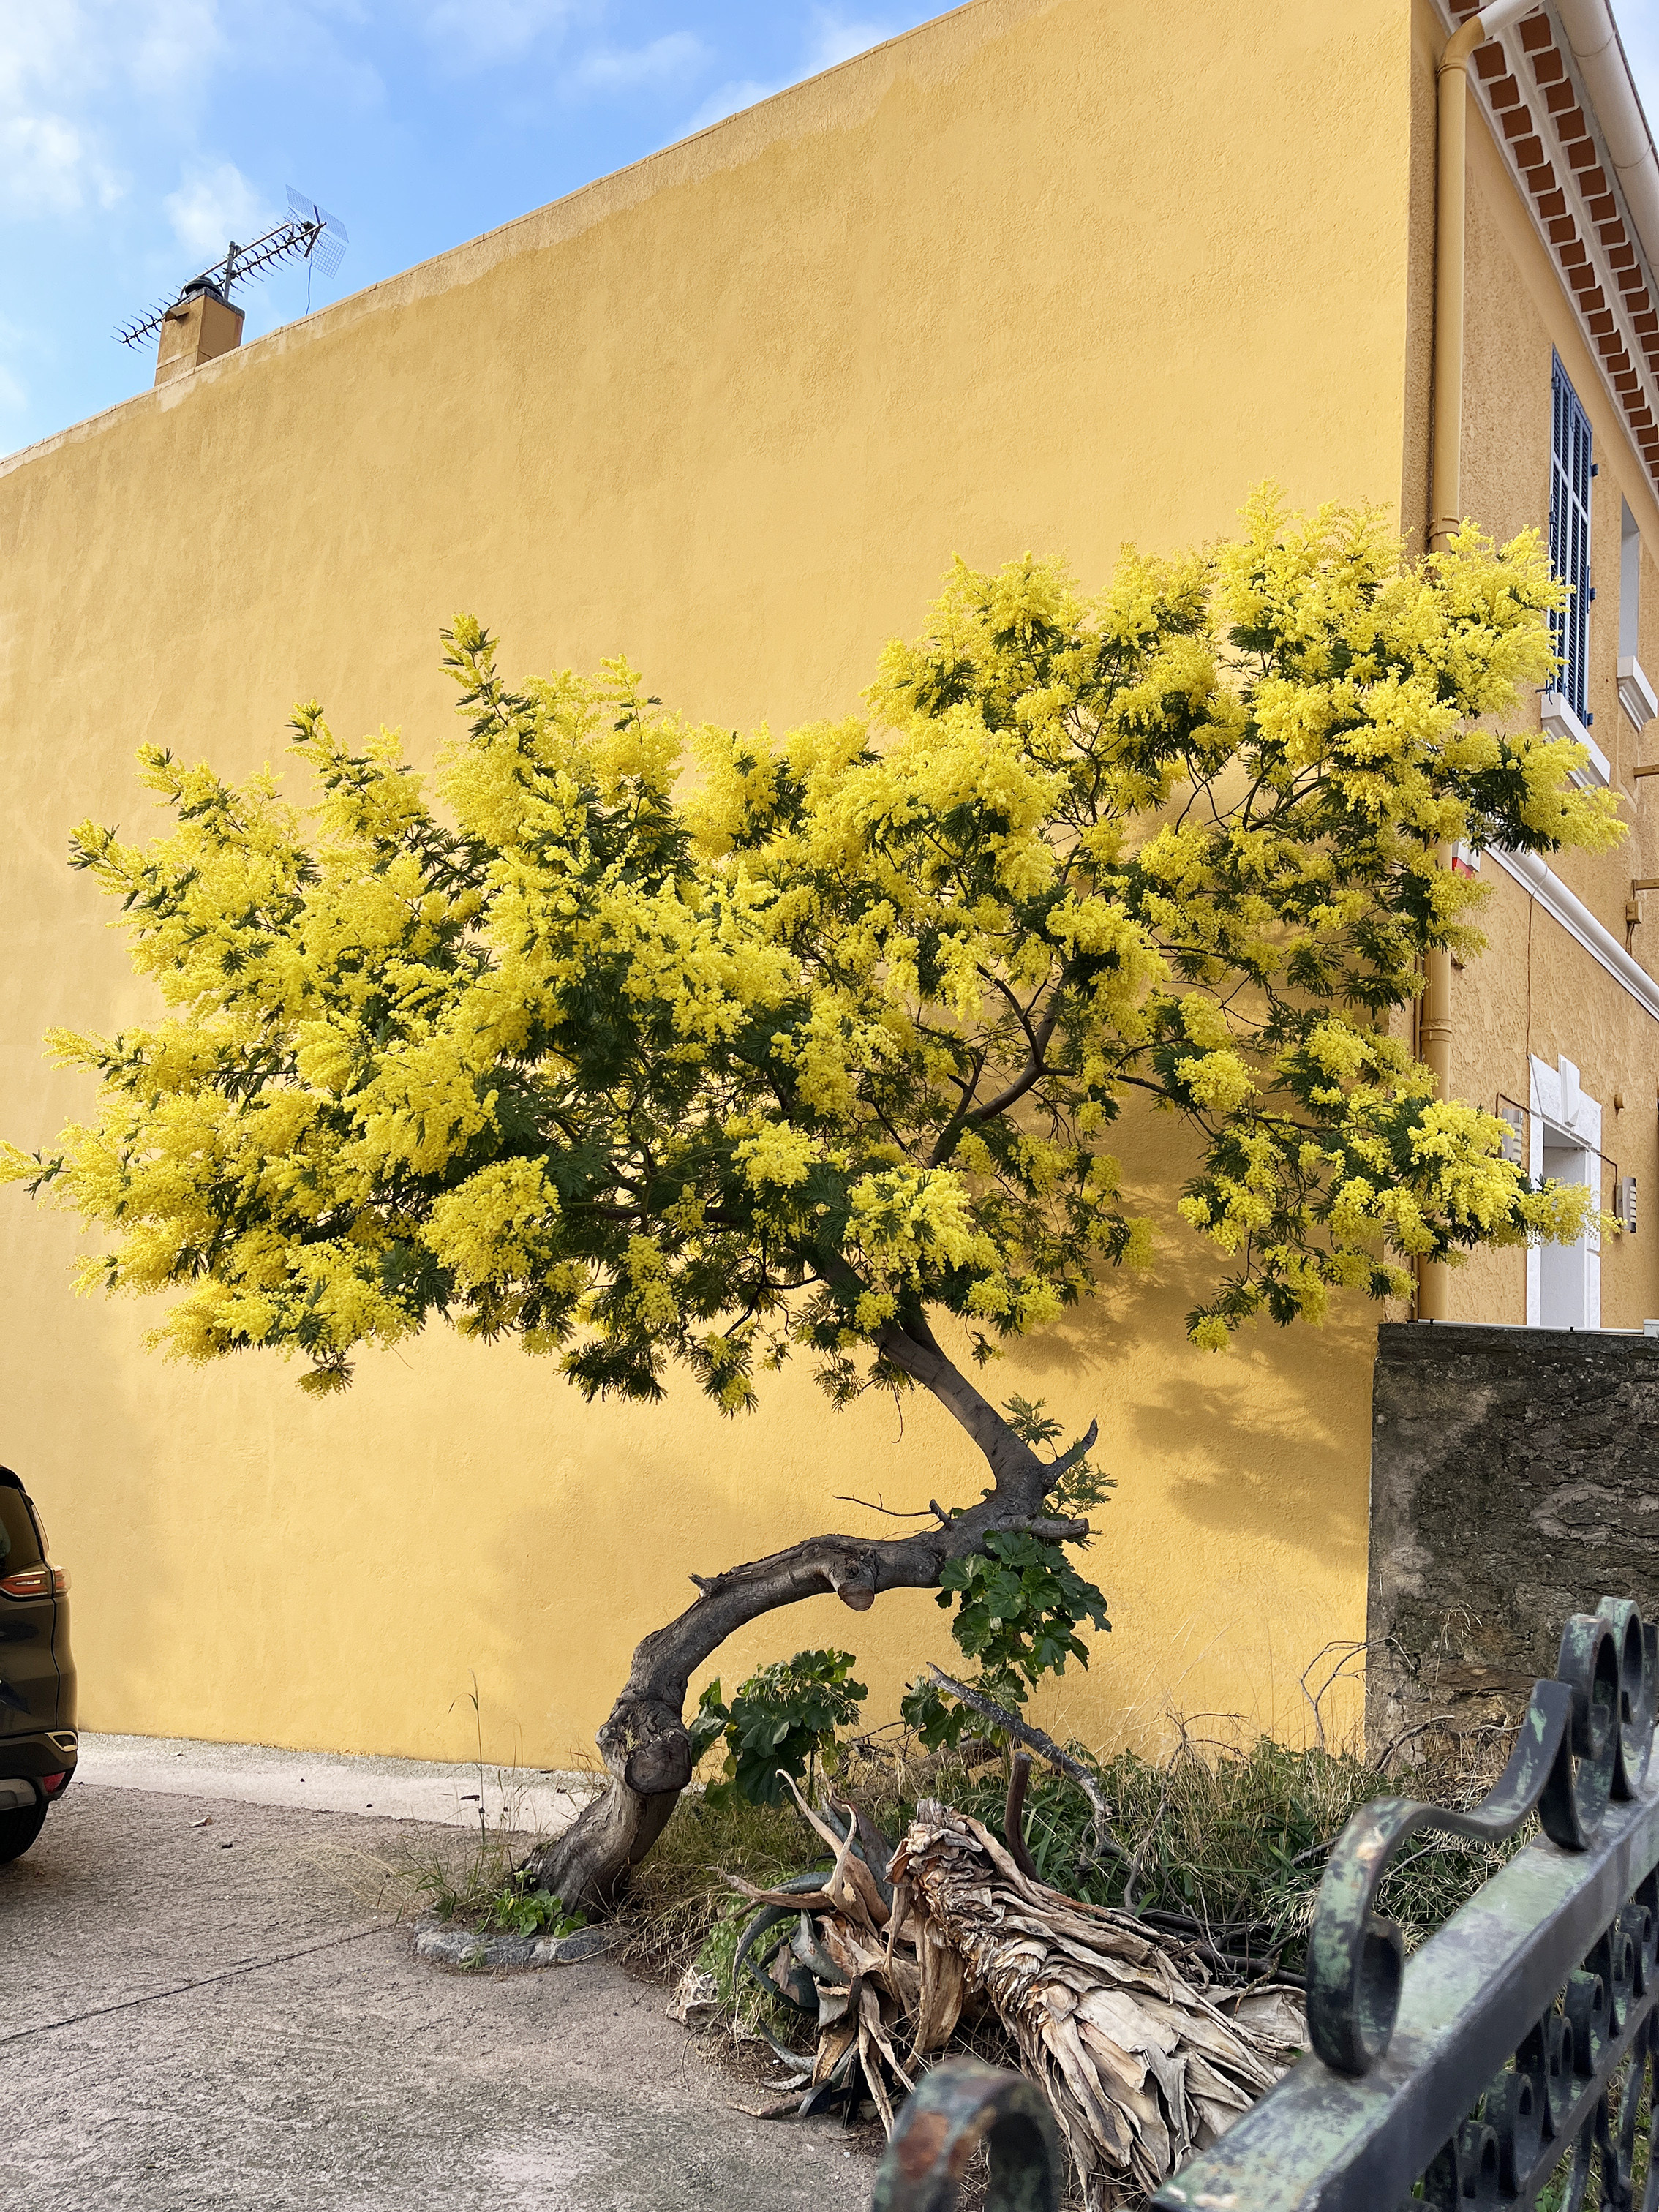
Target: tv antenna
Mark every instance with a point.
(307, 232)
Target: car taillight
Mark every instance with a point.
(28, 1582)
(59, 1580)
(53, 1783)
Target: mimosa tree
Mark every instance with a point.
(815, 1050)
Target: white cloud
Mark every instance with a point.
(214, 205)
(175, 44)
(836, 39)
(46, 165)
(476, 33)
(741, 92)
(46, 51)
(62, 61)
(62, 51)
(667, 60)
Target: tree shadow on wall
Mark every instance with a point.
(1271, 1439)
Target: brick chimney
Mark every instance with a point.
(200, 328)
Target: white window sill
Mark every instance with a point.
(1560, 721)
(1636, 695)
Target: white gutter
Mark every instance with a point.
(1575, 917)
(1597, 48)
(1450, 225)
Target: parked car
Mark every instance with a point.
(38, 1742)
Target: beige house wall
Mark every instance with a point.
(1045, 274)
(1537, 991)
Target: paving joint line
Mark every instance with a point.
(203, 1982)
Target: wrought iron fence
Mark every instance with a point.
(958, 2108)
(1514, 2061)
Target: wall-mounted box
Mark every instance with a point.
(1624, 1204)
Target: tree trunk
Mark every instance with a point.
(644, 1744)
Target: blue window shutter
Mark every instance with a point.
(1570, 470)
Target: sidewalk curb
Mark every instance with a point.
(509, 1799)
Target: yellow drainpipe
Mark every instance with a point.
(1434, 1027)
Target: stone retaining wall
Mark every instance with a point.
(1515, 1480)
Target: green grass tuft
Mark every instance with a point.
(678, 1898)
(1237, 1844)
(479, 1885)
(1230, 1845)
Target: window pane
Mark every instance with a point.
(1570, 537)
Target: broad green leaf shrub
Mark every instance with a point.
(781, 1721)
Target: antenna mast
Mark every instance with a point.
(307, 232)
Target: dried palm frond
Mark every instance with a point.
(1141, 2064)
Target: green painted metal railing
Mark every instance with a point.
(1513, 2062)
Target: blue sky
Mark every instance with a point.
(137, 136)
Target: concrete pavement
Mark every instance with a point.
(203, 2003)
(519, 1798)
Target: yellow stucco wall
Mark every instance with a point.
(1039, 275)
(1536, 991)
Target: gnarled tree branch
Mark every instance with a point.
(644, 1742)
(1025, 1732)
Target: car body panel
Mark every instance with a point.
(29, 1677)
(38, 1756)
(68, 1684)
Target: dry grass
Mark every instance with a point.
(679, 1911)
(1234, 1844)
(460, 1878)
(1229, 1847)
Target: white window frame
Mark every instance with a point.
(1572, 468)
(1567, 1119)
(1636, 693)
(1560, 721)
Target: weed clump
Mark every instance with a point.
(1231, 1848)
(678, 1906)
(1223, 1849)
(482, 1888)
